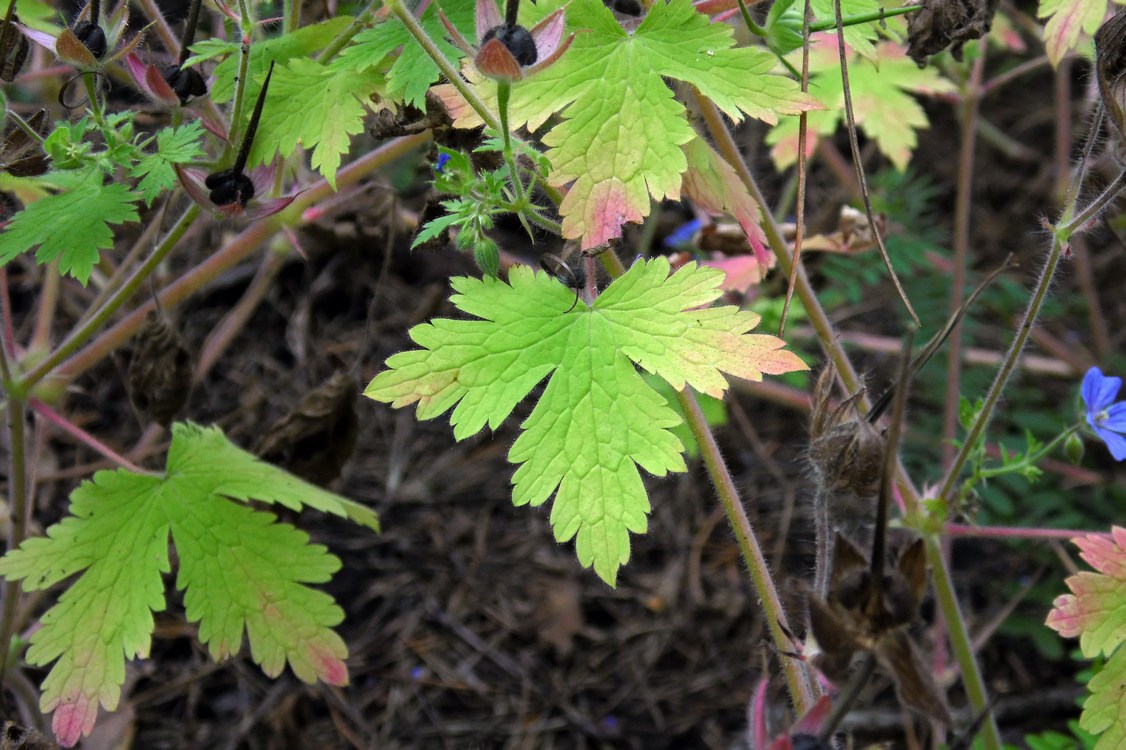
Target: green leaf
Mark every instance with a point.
(1095, 610)
(619, 140)
(413, 70)
(303, 42)
(71, 226)
(317, 107)
(173, 146)
(241, 571)
(882, 100)
(597, 420)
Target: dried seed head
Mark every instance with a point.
(947, 23)
(316, 439)
(159, 378)
(846, 451)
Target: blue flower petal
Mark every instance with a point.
(683, 234)
(1114, 441)
(1116, 417)
(1099, 391)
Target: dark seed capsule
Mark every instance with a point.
(186, 83)
(516, 40)
(229, 187)
(14, 49)
(93, 37)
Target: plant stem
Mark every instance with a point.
(797, 678)
(359, 23)
(455, 79)
(18, 509)
(235, 251)
(82, 334)
(240, 85)
(963, 203)
(82, 436)
(860, 18)
(845, 371)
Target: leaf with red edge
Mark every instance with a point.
(712, 183)
(1095, 610)
(617, 145)
(243, 574)
(1070, 23)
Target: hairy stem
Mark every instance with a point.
(797, 677)
(19, 512)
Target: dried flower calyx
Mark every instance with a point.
(1110, 68)
(869, 611)
(939, 24)
(846, 450)
(159, 378)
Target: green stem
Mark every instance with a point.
(455, 79)
(797, 678)
(830, 342)
(291, 13)
(359, 23)
(83, 333)
(240, 85)
(863, 18)
(235, 251)
(1031, 459)
(504, 91)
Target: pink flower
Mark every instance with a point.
(229, 192)
(509, 52)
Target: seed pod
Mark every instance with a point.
(317, 438)
(14, 47)
(20, 154)
(845, 449)
(1110, 68)
(159, 378)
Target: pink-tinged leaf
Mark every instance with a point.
(1069, 23)
(1095, 610)
(73, 720)
(712, 183)
(597, 217)
(741, 272)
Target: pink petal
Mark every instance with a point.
(193, 182)
(543, 62)
(455, 36)
(548, 33)
(495, 61)
(488, 17)
(270, 207)
(39, 37)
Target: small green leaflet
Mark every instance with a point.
(597, 420)
(241, 572)
(618, 143)
(881, 98)
(173, 146)
(412, 71)
(317, 107)
(70, 226)
(1095, 610)
(305, 41)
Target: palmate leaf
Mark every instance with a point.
(173, 146)
(1069, 24)
(1095, 610)
(241, 571)
(882, 98)
(71, 226)
(597, 420)
(618, 144)
(317, 107)
(412, 71)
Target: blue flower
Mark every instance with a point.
(683, 234)
(443, 160)
(1107, 419)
